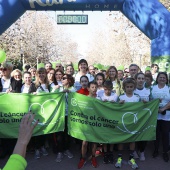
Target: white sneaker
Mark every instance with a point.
(135, 155)
(142, 156)
(68, 154)
(59, 157)
(37, 154)
(44, 151)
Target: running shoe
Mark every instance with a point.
(118, 163)
(68, 154)
(133, 164)
(135, 155)
(81, 163)
(94, 162)
(142, 156)
(37, 154)
(59, 157)
(44, 151)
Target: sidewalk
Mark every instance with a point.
(48, 162)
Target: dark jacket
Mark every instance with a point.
(15, 85)
(1, 85)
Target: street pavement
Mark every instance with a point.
(48, 162)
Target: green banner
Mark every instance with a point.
(49, 108)
(104, 122)
(163, 62)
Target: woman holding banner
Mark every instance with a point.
(42, 86)
(62, 139)
(16, 81)
(50, 76)
(161, 91)
(6, 84)
(58, 74)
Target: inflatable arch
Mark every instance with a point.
(150, 16)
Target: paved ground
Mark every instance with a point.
(48, 162)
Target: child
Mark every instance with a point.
(129, 85)
(144, 94)
(84, 83)
(99, 79)
(83, 90)
(92, 88)
(108, 95)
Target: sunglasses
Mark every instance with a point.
(58, 66)
(64, 78)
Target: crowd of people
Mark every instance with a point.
(111, 85)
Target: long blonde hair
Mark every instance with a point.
(37, 82)
(16, 71)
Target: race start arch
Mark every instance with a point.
(150, 16)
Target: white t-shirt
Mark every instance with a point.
(112, 97)
(5, 84)
(154, 76)
(114, 84)
(25, 89)
(134, 98)
(143, 93)
(59, 83)
(43, 89)
(164, 95)
(99, 92)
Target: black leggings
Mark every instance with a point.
(61, 140)
(141, 145)
(162, 129)
(39, 141)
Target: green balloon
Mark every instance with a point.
(121, 67)
(99, 66)
(106, 67)
(148, 68)
(75, 65)
(2, 56)
(95, 65)
(41, 65)
(54, 64)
